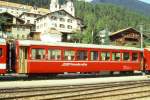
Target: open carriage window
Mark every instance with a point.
(54, 54)
(94, 55)
(126, 56)
(116, 56)
(105, 56)
(0, 52)
(69, 55)
(134, 56)
(82, 55)
(38, 53)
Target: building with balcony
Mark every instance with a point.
(14, 27)
(128, 36)
(59, 20)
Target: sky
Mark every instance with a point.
(147, 1)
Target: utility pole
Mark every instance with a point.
(141, 32)
(92, 37)
(107, 40)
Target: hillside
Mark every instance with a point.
(135, 5)
(99, 16)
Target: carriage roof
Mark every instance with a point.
(148, 48)
(79, 45)
(2, 41)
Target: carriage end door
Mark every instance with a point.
(23, 53)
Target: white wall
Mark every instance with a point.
(47, 22)
(30, 17)
(51, 37)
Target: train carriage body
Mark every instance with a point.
(147, 58)
(3, 56)
(42, 57)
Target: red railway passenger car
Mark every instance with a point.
(147, 59)
(3, 56)
(36, 57)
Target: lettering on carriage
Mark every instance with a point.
(74, 64)
(126, 67)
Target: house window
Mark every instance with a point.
(69, 27)
(62, 19)
(17, 36)
(28, 21)
(23, 28)
(23, 37)
(37, 27)
(44, 24)
(60, 13)
(62, 26)
(54, 18)
(69, 20)
(18, 28)
(55, 25)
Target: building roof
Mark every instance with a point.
(77, 45)
(14, 5)
(147, 48)
(6, 13)
(125, 30)
(129, 29)
(22, 6)
(58, 11)
(29, 13)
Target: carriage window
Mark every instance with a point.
(82, 55)
(38, 53)
(126, 56)
(0, 52)
(69, 55)
(94, 55)
(54, 54)
(105, 56)
(116, 56)
(134, 56)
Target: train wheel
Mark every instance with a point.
(123, 73)
(130, 72)
(147, 72)
(53, 75)
(111, 73)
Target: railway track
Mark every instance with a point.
(127, 90)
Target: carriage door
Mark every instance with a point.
(23, 59)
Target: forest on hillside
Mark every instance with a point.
(97, 17)
(106, 16)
